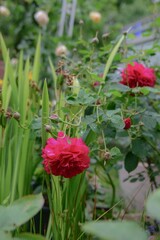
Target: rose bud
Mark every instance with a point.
(127, 122)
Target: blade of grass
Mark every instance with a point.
(45, 112)
(54, 78)
(36, 65)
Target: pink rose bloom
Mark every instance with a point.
(65, 156)
(137, 75)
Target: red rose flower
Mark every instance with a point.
(137, 75)
(65, 156)
(127, 122)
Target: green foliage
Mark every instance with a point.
(24, 209)
(152, 205)
(115, 230)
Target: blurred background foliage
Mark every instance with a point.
(20, 28)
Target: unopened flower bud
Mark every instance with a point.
(95, 17)
(4, 11)
(41, 18)
(61, 50)
(95, 40)
(16, 115)
(127, 122)
(48, 128)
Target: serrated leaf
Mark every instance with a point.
(139, 148)
(149, 121)
(115, 153)
(117, 121)
(115, 230)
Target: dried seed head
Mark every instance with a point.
(16, 115)
(105, 35)
(107, 156)
(41, 18)
(95, 40)
(61, 50)
(48, 128)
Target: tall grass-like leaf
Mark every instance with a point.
(6, 90)
(11, 75)
(45, 112)
(54, 78)
(113, 53)
(36, 65)
(24, 92)
(3, 48)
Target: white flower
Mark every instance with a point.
(61, 50)
(4, 11)
(95, 17)
(41, 18)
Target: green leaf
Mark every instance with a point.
(36, 65)
(117, 121)
(20, 211)
(130, 162)
(115, 153)
(119, 87)
(153, 205)
(112, 55)
(45, 112)
(149, 121)
(139, 148)
(3, 48)
(115, 230)
(54, 78)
